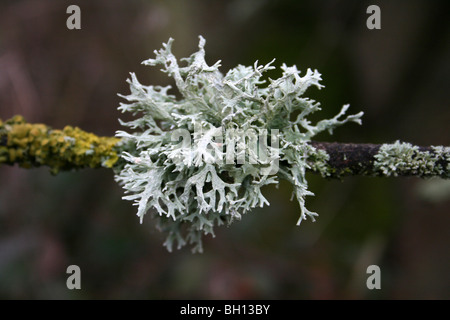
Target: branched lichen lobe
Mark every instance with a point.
(192, 187)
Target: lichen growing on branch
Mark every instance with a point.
(226, 123)
(383, 160)
(399, 157)
(32, 145)
(199, 157)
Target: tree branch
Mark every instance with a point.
(398, 159)
(33, 145)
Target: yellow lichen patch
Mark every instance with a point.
(36, 144)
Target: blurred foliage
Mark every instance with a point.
(399, 76)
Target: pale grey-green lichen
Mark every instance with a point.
(443, 153)
(402, 157)
(319, 162)
(192, 186)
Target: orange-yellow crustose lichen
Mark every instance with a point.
(71, 148)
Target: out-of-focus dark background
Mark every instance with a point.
(399, 76)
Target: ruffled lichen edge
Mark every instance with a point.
(401, 158)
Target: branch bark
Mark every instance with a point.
(33, 145)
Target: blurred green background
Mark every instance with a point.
(399, 76)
